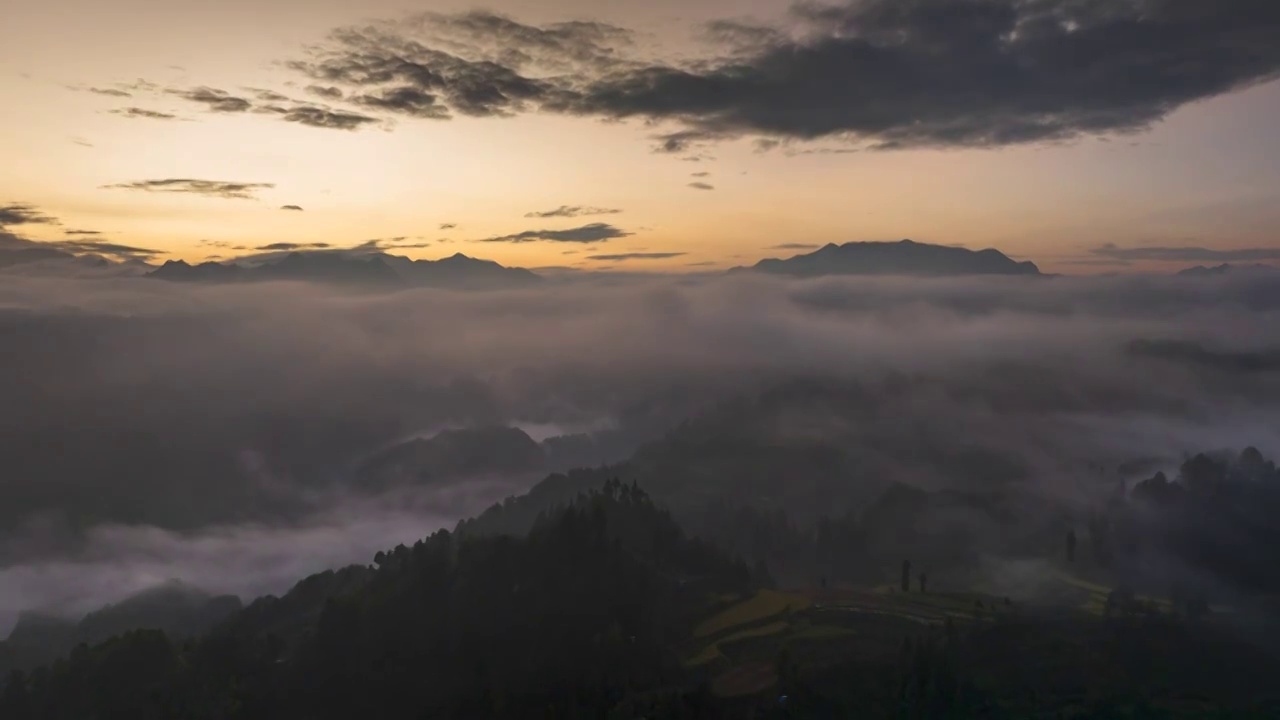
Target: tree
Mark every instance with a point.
(906, 576)
(15, 702)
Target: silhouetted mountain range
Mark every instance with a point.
(376, 269)
(1223, 269)
(905, 257)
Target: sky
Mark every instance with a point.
(1086, 136)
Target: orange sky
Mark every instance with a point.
(1209, 175)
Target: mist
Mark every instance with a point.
(211, 433)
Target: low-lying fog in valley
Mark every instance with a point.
(240, 437)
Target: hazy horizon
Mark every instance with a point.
(675, 135)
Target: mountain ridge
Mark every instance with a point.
(904, 257)
(375, 269)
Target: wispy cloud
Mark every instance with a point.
(792, 246)
(209, 188)
(24, 214)
(636, 256)
(111, 92)
(294, 246)
(572, 211)
(593, 232)
(318, 117)
(329, 93)
(136, 112)
(267, 95)
(296, 208)
(111, 250)
(215, 100)
(702, 186)
(1186, 254)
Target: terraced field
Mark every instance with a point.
(737, 646)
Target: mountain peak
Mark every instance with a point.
(904, 257)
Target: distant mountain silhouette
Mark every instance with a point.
(1223, 269)
(179, 609)
(455, 454)
(904, 257)
(377, 269)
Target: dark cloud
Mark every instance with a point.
(111, 250)
(593, 232)
(564, 49)
(82, 232)
(401, 242)
(682, 141)
(636, 256)
(297, 208)
(886, 73)
(24, 214)
(448, 226)
(403, 76)
(211, 188)
(1186, 254)
(294, 246)
(112, 92)
(405, 100)
(329, 93)
(134, 112)
(702, 186)
(319, 117)
(704, 173)
(268, 95)
(792, 246)
(744, 37)
(214, 100)
(272, 103)
(572, 211)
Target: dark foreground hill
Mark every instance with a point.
(905, 257)
(594, 602)
(607, 610)
(178, 609)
